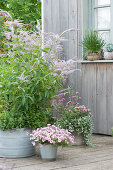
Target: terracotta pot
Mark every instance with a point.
(79, 139)
(93, 57)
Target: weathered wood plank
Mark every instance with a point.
(85, 71)
(64, 24)
(109, 93)
(91, 86)
(73, 44)
(55, 13)
(79, 26)
(47, 15)
(101, 115)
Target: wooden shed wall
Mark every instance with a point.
(60, 15)
(94, 81)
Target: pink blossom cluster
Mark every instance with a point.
(81, 107)
(51, 135)
(68, 106)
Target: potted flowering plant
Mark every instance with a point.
(74, 117)
(49, 138)
(28, 81)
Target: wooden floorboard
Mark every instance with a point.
(98, 157)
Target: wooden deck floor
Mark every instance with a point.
(98, 157)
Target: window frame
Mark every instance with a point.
(88, 16)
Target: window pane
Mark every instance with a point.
(103, 2)
(105, 35)
(103, 18)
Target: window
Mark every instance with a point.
(101, 16)
(98, 15)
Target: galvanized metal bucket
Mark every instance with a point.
(15, 143)
(48, 152)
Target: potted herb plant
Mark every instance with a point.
(76, 118)
(49, 138)
(108, 54)
(93, 44)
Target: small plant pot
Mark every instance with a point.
(93, 57)
(79, 139)
(108, 55)
(48, 152)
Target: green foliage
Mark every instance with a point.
(3, 40)
(81, 123)
(92, 42)
(109, 47)
(28, 10)
(27, 86)
(11, 119)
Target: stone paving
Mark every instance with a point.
(98, 157)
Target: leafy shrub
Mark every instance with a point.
(3, 40)
(28, 80)
(28, 10)
(12, 119)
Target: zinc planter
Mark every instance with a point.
(48, 152)
(15, 143)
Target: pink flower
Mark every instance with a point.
(74, 96)
(63, 99)
(79, 97)
(77, 92)
(77, 104)
(70, 110)
(68, 102)
(65, 109)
